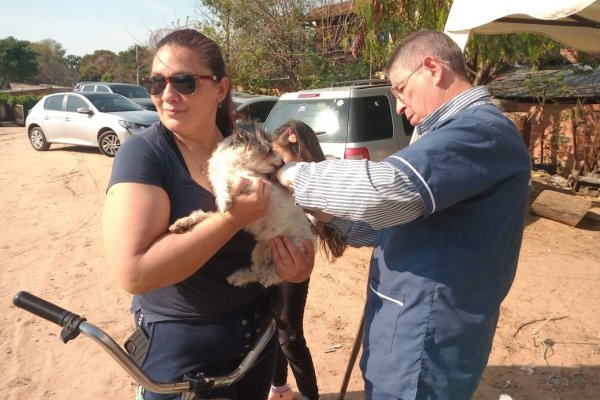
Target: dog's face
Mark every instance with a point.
(255, 148)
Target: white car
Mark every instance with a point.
(103, 120)
(353, 120)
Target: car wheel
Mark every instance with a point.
(109, 143)
(38, 139)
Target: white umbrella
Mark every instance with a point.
(575, 23)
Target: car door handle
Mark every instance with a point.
(67, 119)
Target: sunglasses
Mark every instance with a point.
(184, 84)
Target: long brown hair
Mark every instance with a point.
(301, 141)
(211, 54)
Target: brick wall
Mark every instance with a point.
(564, 134)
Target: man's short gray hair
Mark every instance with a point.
(410, 52)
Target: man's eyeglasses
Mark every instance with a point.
(398, 88)
(184, 84)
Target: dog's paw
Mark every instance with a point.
(241, 278)
(245, 276)
(182, 225)
(269, 277)
(186, 223)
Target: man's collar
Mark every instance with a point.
(464, 100)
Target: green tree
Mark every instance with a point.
(270, 41)
(382, 24)
(487, 55)
(265, 42)
(215, 19)
(18, 62)
(133, 63)
(53, 66)
(94, 66)
(73, 62)
(89, 72)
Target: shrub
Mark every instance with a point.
(27, 100)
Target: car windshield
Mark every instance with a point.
(113, 103)
(131, 92)
(327, 117)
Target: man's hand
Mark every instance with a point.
(286, 174)
(320, 215)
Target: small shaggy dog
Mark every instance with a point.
(248, 152)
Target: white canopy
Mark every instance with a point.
(575, 23)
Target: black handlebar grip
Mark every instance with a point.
(42, 308)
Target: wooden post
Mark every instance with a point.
(353, 355)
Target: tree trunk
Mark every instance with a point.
(561, 207)
(483, 73)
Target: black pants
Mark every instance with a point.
(213, 347)
(290, 299)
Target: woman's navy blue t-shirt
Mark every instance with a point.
(153, 158)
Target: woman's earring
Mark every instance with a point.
(220, 104)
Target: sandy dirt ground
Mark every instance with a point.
(547, 345)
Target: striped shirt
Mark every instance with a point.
(472, 97)
(366, 196)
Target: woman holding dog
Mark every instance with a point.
(179, 280)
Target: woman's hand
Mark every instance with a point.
(251, 196)
(293, 264)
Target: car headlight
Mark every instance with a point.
(132, 125)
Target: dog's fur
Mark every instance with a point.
(248, 152)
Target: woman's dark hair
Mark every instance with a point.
(300, 140)
(210, 52)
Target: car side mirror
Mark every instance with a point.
(85, 110)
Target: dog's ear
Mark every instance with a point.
(253, 129)
(250, 135)
(246, 126)
(261, 134)
(239, 136)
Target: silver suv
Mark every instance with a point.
(353, 120)
(252, 107)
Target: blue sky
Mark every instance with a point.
(83, 26)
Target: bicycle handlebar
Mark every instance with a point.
(74, 324)
(42, 308)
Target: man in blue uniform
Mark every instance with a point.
(445, 216)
